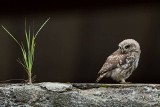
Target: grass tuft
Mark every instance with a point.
(28, 53)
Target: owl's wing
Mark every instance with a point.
(117, 60)
(110, 64)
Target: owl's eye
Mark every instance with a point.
(127, 46)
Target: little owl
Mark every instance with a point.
(120, 64)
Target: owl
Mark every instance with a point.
(120, 64)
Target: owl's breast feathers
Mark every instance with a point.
(115, 60)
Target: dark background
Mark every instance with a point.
(80, 35)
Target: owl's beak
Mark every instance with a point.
(122, 50)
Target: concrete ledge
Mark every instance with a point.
(79, 95)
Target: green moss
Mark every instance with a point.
(104, 85)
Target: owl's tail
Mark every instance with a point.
(100, 77)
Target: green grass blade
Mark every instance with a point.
(11, 35)
(29, 36)
(25, 60)
(41, 27)
(33, 48)
(27, 40)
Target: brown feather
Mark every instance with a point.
(112, 61)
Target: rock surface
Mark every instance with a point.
(79, 95)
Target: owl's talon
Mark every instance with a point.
(124, 82)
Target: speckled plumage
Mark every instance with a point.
(120, 65)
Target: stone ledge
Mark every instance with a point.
(79, 95)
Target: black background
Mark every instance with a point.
(74, 44)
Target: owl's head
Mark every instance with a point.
(129, 45)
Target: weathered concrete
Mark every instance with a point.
(79, 95)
